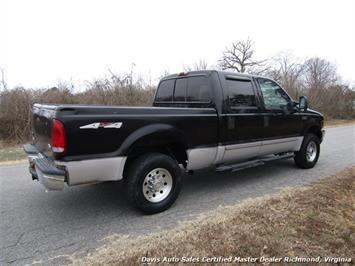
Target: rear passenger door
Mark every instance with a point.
(242, 121)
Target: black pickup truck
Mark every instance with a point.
(213, 120)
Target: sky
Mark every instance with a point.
(45, 42)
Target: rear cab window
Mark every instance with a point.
(165, 91)
(198, 90)
(195, 89)
(180, 90)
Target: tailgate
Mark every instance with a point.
(42, 116)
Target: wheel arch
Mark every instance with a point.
(160, 138)
(314, 129)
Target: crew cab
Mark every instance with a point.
(215, 120)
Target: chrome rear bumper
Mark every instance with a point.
(53, 175)
(44, 170)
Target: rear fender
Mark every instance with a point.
(162, 132)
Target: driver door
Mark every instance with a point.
(282, 123)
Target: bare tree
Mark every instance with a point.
(319, 77)
(239, 57)
(288, 71)
(319, 73)
(201, 65)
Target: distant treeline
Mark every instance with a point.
(16, 104)
(315, 78)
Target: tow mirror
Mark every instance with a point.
(303, 104)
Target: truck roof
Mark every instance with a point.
(199, 72)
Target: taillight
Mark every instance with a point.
(59, 142)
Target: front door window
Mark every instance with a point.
(275, 98)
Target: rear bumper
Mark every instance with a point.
(53, 175)
(44, 170)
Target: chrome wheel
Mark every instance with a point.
(311, 151)
(157, 185)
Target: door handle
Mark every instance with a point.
(231, 122)
(266, 121)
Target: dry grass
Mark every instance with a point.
(11, 154)
(335, 101)
(16, 104)
(13, 162)
(339, 122)
(311, 221)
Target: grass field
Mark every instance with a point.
(311, 221)
(11, 154)
(339, 122)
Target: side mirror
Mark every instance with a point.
(303, 104)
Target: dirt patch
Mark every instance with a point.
(11, 154)
(13, 162)
(338, 122)
(311, 221)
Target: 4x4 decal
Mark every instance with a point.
(102, 125)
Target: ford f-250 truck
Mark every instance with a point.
(199, 120)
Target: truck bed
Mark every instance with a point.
(101, 131)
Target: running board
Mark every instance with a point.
(249, 164)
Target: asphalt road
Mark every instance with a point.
(40, 226)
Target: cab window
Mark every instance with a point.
(184, 90)
(275, 98)
(165, 91)
(198, 89)
(180, 90)
(240, 93)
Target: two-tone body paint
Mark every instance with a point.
(199, 127)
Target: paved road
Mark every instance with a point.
(38, 226)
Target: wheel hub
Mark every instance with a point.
(157, 185)
(311, 151)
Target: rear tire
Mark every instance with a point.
(153, 182)
(308, 155)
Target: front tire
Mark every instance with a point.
(308, 155)
(153, 182)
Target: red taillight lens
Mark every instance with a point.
(59, 142)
